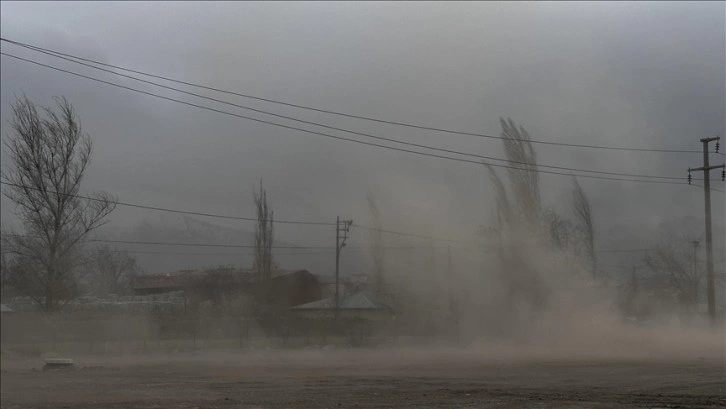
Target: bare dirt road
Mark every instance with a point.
(365, 379)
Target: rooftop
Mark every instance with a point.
(181, 278)
(358, 301)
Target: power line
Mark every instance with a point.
(163, 209)
(166, 243)
(399, 233)
(368, 135)
(712, 188)
(359, 133)
(621, 266)
(213, 254)
(404, 124)
(623, 251)
(171, 253)
(334, 136)
(318, 253)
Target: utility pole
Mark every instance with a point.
(634, 290)
(634, 279)
(453, 310)
(706, 168)
(448, 262)
(695, 254)
(342, 227)
(432, 259)
(695, 264)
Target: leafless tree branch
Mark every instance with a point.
(264, 234)
(585, 224)
(50, 153)
(377, 244)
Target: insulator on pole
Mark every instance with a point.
(723, 173)
(717, 145)
(689, 178)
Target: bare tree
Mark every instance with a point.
(560, 230)
(585, 224)
(376, 237)
(523, 223)
(522, 201)
(675, 261)
(264, 234)
(504, 207)
(113, 271)
(49, 154)
(4, 275)
(518, 210)
(523, 174)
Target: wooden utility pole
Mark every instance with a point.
(432, 259)
(634, 290)
(448, 259)
(695, 255)
(706, 168)
(453, 310)
(342, 227)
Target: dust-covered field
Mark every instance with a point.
(394, 378)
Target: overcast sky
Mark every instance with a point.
(648, 75)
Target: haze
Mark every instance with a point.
(648, 76)
(568, 72)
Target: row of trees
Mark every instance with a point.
(669, 275)
(101, 271)
(49, 261)
(539, 249)
(519, 209)
(670, 272)
(535, 243)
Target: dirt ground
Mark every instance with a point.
(366, 379)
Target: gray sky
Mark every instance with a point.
(629, 74)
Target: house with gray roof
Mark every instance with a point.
(362, 304)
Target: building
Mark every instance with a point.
(348, 285)
(284, 289)
(165, 283)
(362, 304)
(293, 288)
